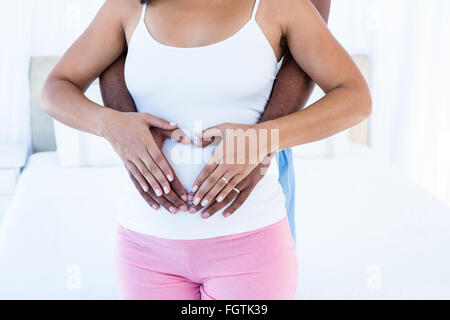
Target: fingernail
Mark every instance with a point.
(204, 203)
(219, 199)
(155, 207)
(184, 208)
(173, 210)
(190, 197)
(197, 201)
(172, 124)
(192, 210)
(169, 177)
(158, 193)
(195, 188)
(205, 214)
(166, 190)
(227, 214)
(184, 197)
(145, 188)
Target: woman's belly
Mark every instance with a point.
(264, 206)
(186, 160)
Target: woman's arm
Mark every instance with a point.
(62, 96)
(290, 93)
(116, 96)
(293, 86)
(94, 51)
(346, 103)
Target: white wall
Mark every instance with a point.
(57, 23)
(15, 19)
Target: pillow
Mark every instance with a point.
(79, 149)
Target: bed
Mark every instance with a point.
(357, 240)
(366, 232)
(57, 239)
(363, 230)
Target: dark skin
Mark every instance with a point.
(291, 91)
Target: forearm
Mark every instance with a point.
(340, 109)
(114, 90)
(66, 103)
(293, 87)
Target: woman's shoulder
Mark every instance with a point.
(126, 10)
(280, 11)
(274, 15)
(287, 10)
(132, 5)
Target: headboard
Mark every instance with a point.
(42, 125)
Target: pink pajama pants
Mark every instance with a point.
(255, 265)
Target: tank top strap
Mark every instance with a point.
(255, 9)
(144, 10)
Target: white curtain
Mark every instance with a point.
(423, 145)
(408, 42)
(32, 28)
(15, 30)
(411, 89)
(58, 23)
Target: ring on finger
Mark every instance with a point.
(237, 190)
(225, 180)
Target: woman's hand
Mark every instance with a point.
(240, 149)
(130, 136)
(235, 199)
(173, 201)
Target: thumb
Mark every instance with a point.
(179, 136)
(158, 122)
(213, 132)
(208, 136)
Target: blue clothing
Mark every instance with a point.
(287, 180)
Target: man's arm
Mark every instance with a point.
(113, 88)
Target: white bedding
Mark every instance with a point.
(57, 240)
(363, 231)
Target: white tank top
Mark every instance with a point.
(199, 87)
